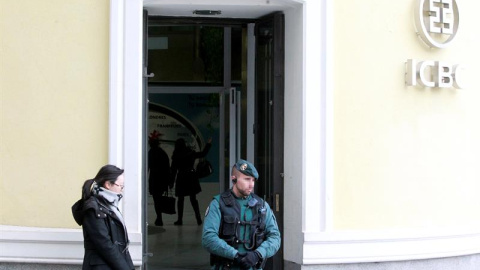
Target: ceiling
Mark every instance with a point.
(250, 9)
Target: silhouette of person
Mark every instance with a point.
(159, 179)
(186, 181)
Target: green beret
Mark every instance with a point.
(246, 168)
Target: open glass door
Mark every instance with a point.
(269, 117)
(195, 94)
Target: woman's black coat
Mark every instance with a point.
(186, 181)
(159, 165)
(105, 239)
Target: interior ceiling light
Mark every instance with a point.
(207, 12)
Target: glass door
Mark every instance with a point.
(194, 95)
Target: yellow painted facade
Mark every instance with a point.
(54, 106)
(405, 157)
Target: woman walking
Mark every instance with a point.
(104, 232)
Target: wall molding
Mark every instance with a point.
(47, 245)
(389, 245)
(65, 246)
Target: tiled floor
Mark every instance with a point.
(179, 247)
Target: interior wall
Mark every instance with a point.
(54, 106)
(405, 157)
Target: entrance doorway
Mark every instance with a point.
(201, 86)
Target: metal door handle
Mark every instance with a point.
(277, 202)
(151, 75)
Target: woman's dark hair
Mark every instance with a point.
(180, 147)
(106, 173)
(180, 144)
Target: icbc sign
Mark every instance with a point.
(437, 25)
(433, 74)
(437, 21)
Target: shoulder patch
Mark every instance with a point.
(206, 211)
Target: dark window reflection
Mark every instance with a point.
(237, 53)
(186, 55)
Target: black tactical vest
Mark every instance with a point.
(231, 223)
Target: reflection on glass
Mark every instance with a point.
(186, 55)
(264, 94)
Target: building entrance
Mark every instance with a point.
(202, 86)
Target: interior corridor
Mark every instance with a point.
(177, 247)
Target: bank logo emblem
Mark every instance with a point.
(437, 21)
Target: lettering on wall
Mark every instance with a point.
(430, 73)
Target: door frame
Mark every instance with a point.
(125, 140)
(228, 94)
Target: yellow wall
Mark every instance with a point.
(405, 157)
(54, 106)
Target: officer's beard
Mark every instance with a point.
(241, 193)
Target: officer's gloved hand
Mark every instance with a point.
(249, 260)
(238, 258)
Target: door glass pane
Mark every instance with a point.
(193, 118)
(237, 49)
(185, 55)
(264, 88)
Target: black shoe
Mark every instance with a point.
(158, 223)
(198, 218)
(178, 223)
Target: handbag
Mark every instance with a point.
(204, 168)
(167, 204)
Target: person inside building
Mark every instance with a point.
(159, 178)
(186, 179)
(104, 231)
(249, 232)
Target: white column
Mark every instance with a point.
(130, 146)
(318, 119)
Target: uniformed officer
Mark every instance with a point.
(240, 230)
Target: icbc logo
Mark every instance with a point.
(437, 21)
(437, 25)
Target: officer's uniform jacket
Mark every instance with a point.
(212, 242)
